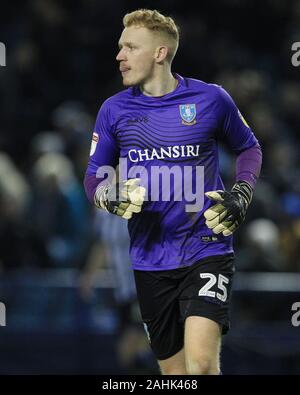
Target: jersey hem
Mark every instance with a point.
(172, 267)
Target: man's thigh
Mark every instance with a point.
(201, 351)
(204, 306)
(202, 345)
(158, 299)
(206, 291)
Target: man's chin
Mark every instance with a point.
(127, 82)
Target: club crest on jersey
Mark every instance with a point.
(188, 113)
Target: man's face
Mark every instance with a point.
(136, 55)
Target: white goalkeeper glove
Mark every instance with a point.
(122, 200)
(229, 212)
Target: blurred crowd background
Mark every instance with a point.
(64, 269)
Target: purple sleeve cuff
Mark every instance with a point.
(248, 165)
(90, 185)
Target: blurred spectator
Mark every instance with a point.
(262, 248)
(14, 187)
(20, 246)
(46, 142)
(59, 211)
(74, 125)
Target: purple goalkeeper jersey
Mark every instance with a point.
(180, 129)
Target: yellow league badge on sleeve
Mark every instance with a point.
(243, 119)
(95, 140)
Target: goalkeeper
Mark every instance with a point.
(183, 262)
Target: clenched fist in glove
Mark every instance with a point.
(230, 209)
(122, 200)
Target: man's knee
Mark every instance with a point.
(202, 366)
(174, 365)
(173, 371)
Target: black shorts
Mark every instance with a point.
(168, 297)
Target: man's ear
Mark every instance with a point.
(161, 53)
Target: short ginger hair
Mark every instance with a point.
(158, 23)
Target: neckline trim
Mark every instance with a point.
(138, 92)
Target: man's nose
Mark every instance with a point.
(121, 55)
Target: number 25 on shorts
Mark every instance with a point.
(205, 290)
